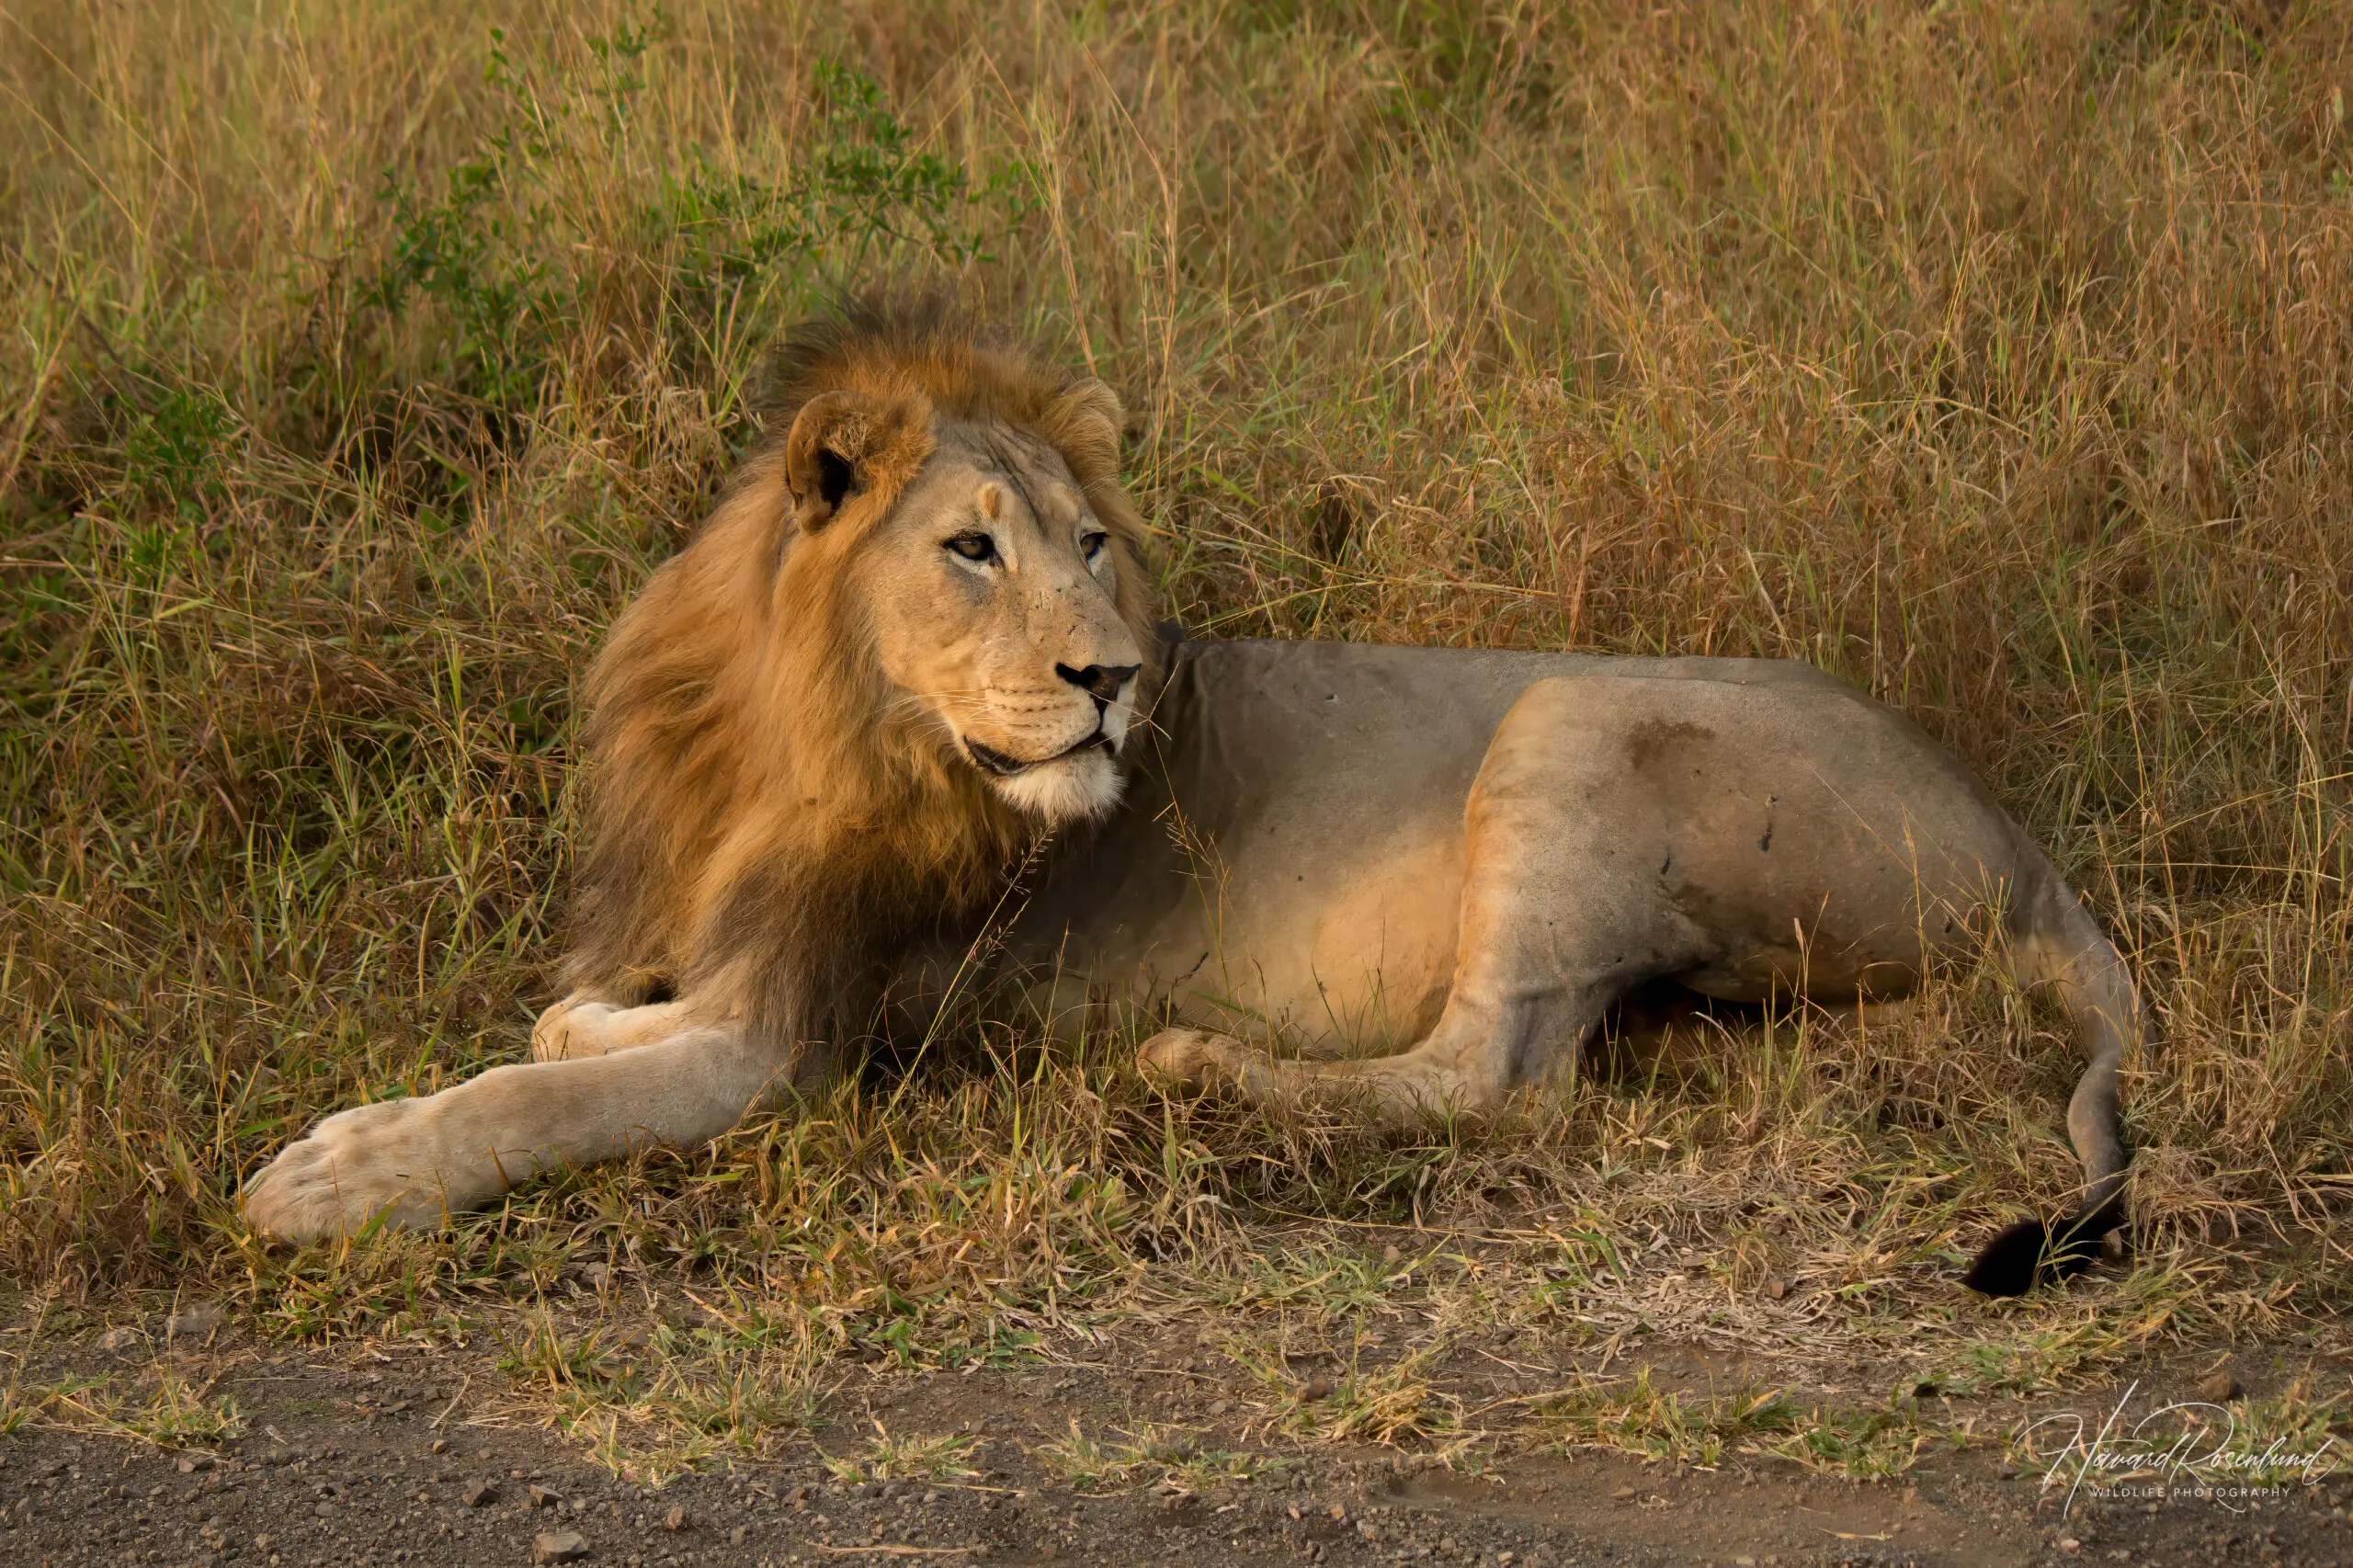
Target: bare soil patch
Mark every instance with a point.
(386, 1454)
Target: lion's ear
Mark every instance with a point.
(1083, 420)
(821, 454)
(838, 442)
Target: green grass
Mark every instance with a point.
(1698, 1431)
(889, 1458)
(164, 1409)
(1168, 1457)
(357, 363)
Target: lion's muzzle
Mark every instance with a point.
(1102, 682)
(992, 760)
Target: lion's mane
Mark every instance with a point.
(768, 823)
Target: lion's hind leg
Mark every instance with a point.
(578, 1027)
(1411, 1086)
(1548, 938)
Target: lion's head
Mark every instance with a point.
(916, 632)
(985, 578)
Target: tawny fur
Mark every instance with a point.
(905, 647)
(765, 827)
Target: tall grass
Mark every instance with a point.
(358, 361)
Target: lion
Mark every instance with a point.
(908, 673)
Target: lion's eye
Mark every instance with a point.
(1092, 546)
(974, 547)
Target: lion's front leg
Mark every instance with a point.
(415, 1160)
(580, 1026)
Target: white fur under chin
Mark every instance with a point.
(1067, 790)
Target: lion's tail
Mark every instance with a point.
(2059, 944)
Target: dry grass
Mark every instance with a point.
(355, 366)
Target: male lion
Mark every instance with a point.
(908, 661)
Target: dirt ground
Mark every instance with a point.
(398, 1455)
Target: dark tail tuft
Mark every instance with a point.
(2007, 1267)
(2027, 1254)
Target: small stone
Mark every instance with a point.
(545, 1497)
(738, 1535)
(115, 1340)
(323, 1510)
(1743, 1562)
(2071, 1544)
(1337, 1511)
(477, 1493)
(1776, 1288)
(558, 1546)
(264, 1541)
(1220, 1407)
(1623, 1494)
(190, 1464)
(194, 1322)
(1317, 1388)
(2220, 1387)
(676, 1520)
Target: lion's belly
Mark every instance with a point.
(1335, 948)
(1291, 859)
(1337, 957)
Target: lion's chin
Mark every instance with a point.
(1069, 788)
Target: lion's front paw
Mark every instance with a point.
(355, 1164)
(570, 1030)
(1193, 1059)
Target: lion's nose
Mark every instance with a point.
(1101, 682)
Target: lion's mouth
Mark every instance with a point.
(991, 760)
